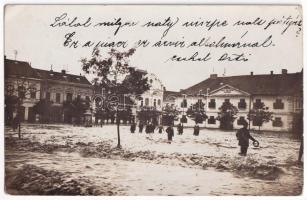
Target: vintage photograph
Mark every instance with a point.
(153, 100)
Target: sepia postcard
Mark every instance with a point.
(153, 100)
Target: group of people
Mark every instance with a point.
(151, 127)
(243, 134)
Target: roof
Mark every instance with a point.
(167, 94)
(59, 76)
(24, 69)
(19, 68)
(271, 84)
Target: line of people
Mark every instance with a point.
(151, 127)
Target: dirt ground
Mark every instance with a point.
(67, 160)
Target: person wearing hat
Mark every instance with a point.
(244, 136)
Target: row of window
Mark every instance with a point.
(69, 97)
(155, 103)
(275, 123)
(278, 104)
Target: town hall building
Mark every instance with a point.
(281, 94)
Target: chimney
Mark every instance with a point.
(284, 71)
(4, 57)
(252, 73)
(63, 71)
(213, 76)
(272, 73)
(164, 89)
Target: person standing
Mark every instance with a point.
(147, 128)
(180, 128)
(244, 136)
(132, 127)
(170, 133)
(196, 130)
(141, 126)
(15, 122)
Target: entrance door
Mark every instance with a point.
(31, 115)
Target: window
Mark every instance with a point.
(33, 95)
(142, 103)
(278, 104)
(146, 102)
(48, 96)
(227, 101)
(155, 103)
(240, 121)
(242, 104)
(212, 103)
(200, 101)
(211, 120)
(78, 96)
(69, 97)
(21, 92)
(277, 122)
(258, 104)
(58, 97)
(159, 102)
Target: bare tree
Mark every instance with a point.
(114, 73)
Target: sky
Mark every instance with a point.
(28, 31)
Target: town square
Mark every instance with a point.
(108, 105)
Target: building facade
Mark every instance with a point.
(281, 94)
(30, 85)
(152, 100)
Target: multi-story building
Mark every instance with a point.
(56, 87)
(22, 81)
(280, 93)
(152, 99)
(154, 96)
(60, 87)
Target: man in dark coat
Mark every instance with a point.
(180, 128)
(141, 126)
(132, 127)
(170, 133)
(244, 136)
(147, 128)
(196, 130)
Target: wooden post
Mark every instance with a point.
(118, 133)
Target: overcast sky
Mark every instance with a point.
(28, 30)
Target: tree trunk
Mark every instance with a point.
(259, 129)
(118, 133)
(19, 131)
